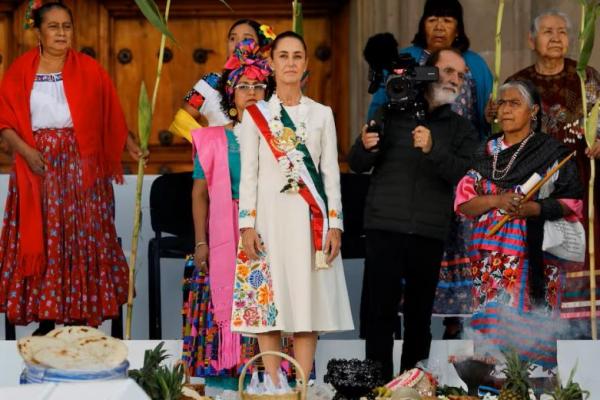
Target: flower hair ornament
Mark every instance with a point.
(33, 5)
(246, 60)
(266, 36)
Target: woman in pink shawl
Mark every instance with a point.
(210, 349)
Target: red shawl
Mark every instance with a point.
(100, 130)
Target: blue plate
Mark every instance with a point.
(38, 374)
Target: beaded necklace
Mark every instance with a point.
(498, 174)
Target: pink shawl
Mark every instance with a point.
(211, 146)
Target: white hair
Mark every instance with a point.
(523, 90)
(535, 25)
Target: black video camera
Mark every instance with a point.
(405, 83)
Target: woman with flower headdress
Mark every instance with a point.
(289, 276)
(210, 348)
(202, 104)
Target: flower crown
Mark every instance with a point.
(246, 60)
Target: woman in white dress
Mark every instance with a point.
(289, 275)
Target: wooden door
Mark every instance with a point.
(5, 36)
(119, 37)
(140, 41)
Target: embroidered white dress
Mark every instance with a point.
(298, 297)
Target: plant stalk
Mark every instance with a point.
(137, 216)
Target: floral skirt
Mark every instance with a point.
(504, 317)
(201, 332)
(85, 277)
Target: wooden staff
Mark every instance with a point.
(530, 194)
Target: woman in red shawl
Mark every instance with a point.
(60, 261)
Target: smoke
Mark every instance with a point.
(532, 333)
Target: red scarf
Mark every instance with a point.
(100, 130)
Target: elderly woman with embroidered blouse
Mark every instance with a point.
(555, 77)
(510, 267)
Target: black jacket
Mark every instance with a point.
(412, 192)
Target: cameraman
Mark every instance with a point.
(415, 163)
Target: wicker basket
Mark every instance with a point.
(196, 387)
(296, 395)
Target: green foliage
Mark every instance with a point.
(297, 18)
(592, 124)
(153, 15)
(226, 5)
(144, 116)
(517, 374)
(590, 12)
(450, 391)
(571, 391)
(158, 381)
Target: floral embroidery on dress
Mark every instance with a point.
(496, 277)
(253, 297)
(57, 77)
(336, 214)
(287, 137)
(247, 213)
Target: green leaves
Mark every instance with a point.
(226, 5)
(153, 15)
(591, 11)
(571, 391)
(592, 125)
(297, 18)
(158, 381)
(144, 117)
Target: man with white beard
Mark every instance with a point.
(415, 164)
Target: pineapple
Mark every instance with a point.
(517, 383)
(571, 391)
(159, 381)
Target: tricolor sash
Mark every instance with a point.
(310, 185)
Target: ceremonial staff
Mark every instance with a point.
(530, 193)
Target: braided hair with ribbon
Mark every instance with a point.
(247, 60)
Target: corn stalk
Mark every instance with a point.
(590, 10)
(145, 113)
(297, 19)
(497, 57)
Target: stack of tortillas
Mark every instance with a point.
(79, 348)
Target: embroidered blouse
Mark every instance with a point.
(49, 107)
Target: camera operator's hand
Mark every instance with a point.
(369, 139)
(491, 110)
(422, 139)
